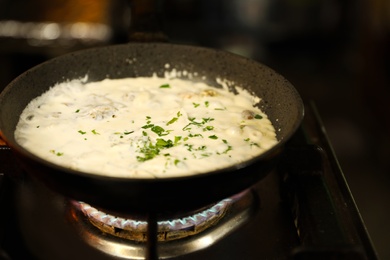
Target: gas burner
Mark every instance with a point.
(126, 238)
(167, 230)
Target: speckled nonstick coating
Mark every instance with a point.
(280, 101)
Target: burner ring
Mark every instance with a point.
(167, 229)
(239, 211)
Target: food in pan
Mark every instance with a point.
(146, 127)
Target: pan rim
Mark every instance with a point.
(24, 152)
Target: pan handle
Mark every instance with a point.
(2, 143)
(4, 157)
(8, 164)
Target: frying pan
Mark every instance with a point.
(280, 101)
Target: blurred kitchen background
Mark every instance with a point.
(335, 52)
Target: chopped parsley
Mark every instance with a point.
(56, 153)
(94, 132)
(161, 143)
(149, 153)
(119, 133)
(201, 148)
(195, 135)
(199, 124)
(173, 120)
(251, 143)
(149, 150)
(160, 131)
(189, 147)
(165, 86)
(229, 148)
(147, 126)
(177, 139)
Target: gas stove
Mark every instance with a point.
(301, 210)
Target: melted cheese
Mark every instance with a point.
(144, 127)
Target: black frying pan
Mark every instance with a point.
(280, 101)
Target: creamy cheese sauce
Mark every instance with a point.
(144, 127)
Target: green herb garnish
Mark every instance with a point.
(195, 135)
(56, 153)
(165, 86)
(177, 139)
(150, 151)
(147, 126)
(173, 120)
(229, 146)
(199, 124)
(160, 131)
(161, 143)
